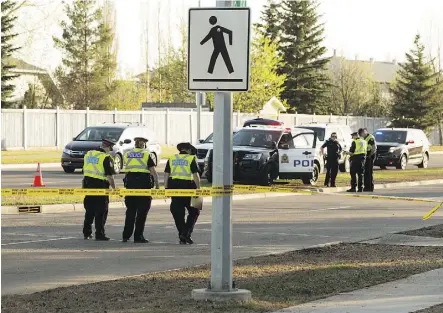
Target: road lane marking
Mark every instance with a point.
(33, 241)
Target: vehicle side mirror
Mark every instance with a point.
(410, 141)
(73, 138)
(126, 141)
(285, 146)
(201, 141)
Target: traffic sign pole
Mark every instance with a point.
(221, 287)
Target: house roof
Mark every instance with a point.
(24, 67)
(384, 72)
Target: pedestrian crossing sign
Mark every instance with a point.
(218, 49)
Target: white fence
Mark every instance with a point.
(29, 128)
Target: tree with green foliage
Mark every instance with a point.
(414, 91)
(8, 8)
(88, 66)
(269, 25)
(301, 39)
(265, 80)
(437, 103)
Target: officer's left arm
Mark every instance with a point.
(155, 176)
(109, 171)
(373, 146)
(167, 173)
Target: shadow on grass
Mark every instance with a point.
(276, 281)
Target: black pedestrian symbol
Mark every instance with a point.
(217, 35)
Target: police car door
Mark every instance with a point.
(298, 156)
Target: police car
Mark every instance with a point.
(263, 153)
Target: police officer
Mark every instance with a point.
(333, 151)
(370, 158)
(181, 172)
(358, 155)
(98, 171)
(140, 169)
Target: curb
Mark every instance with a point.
(384, 186)
(78, 207)
(46, 165)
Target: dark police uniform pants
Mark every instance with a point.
(357, 171)
(331, 171)
(96, 209)
(178, 206)
(369, 173)
(137, 207)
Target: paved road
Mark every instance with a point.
(55, 177)
(42, 251)
(433, 192)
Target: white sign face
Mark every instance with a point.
(218, 49)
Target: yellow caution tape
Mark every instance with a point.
(430, 213)
(213, 191)
(387, 197)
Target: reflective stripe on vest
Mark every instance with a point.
(93, 165)
(136, 161)
(180, 165)
(369, 137)
(360, 146)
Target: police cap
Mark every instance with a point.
(354, 134)
(141, 139)
(107, 143)
(186, 146)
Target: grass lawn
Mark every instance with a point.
(435, 309)
(53, 156)
(431, 231)
(276, 282)
(386, 176)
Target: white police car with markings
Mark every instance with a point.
(263, 153)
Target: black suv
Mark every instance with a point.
(262, 154)
(401, 146)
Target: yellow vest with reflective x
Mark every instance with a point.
(360, 146)
(181, 166)
(136, 161)
(369, 137)
(93, 165)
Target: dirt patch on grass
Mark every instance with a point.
(435, 309)
(276, 281)
(431, 231)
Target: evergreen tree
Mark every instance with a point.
(269, 26)
(8, 18)
(88, 66)
(414, 90)
(305, 66)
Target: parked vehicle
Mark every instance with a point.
(203, 148)
(264, 153)
(121, 133)
(343, 136)
(401, 146)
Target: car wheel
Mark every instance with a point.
(267, 176)
(345, 167)
(382, 167)
(312, 180)
(154, 158)
(424, 163)
(117, 163)
(402, 163)
(68, 169)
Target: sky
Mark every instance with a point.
(380, 29)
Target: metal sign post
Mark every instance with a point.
(226, 70)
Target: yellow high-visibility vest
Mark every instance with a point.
(369, 137)
(360, 146)
(180, 165)
(93, 165)
(136, 161)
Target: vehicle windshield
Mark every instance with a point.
(210, 138)
(99, 133)
(390, 136)
(320, 132)
(256, 138)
